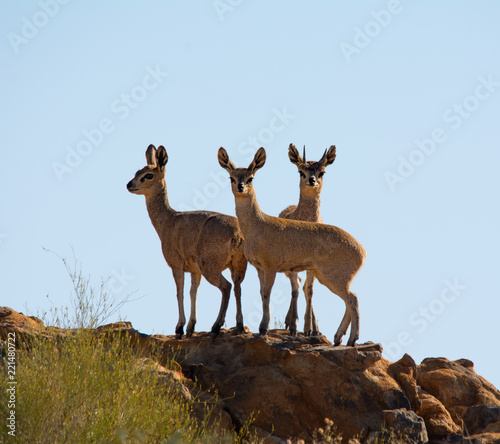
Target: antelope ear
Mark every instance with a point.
(258, 161)
(329, 156)
(161, 156)
(151, 156)
(294, 156)
(224, 161)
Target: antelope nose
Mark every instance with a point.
(312, 180)
(241, 187)
(129, 185)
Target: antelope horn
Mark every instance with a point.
(304, 156)
(324, 155)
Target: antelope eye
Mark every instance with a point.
(148, 176)
(321, 174)
(232, 180)
(302, 175)
(250, 180)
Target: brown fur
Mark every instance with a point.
(203, 243)
(279, 245)
(308, 209)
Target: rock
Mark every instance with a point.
(478, 418)
(292, 384)
(456, 385)
(5, 311)
(404, 372)
(14, 322)
(493, 428)
(437, 419)
(405, 426)
(295, 386)
(484, 438)
(115, 326)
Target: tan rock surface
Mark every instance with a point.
(291, 384)
(456, 385)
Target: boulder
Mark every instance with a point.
(437, 419)
(23, 326)
(456, 385)
(482, 418)
(402, 425)
(299, 389)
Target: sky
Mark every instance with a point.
(409, 92)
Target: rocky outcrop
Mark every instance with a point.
(292, 385)
(482, 419)
(456, 385)
(401, 425)
(22, 325)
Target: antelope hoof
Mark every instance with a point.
(293, 332)
(351, 343)
(190, 330)
(179, 332)
(239, 328)
(315, 333)
(215, 331)
(262, 331)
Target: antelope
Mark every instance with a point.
(311, 183)
(275, 245)
(203, 243)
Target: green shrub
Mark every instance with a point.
(76, 385)
(84, 388)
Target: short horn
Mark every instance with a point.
(304, 156)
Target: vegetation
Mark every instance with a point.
(77, 385)
(91, 389)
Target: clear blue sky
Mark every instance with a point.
(409, 92)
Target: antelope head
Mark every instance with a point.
(151, 178)
(241, 178)
(311, 173)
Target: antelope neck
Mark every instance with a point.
(158, 207)
(310, 204)
(310, 200)
(248, 212)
